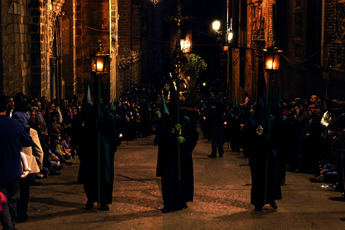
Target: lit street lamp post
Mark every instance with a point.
(99, 66)
(216, 26)
(224, 40)
(272, 61)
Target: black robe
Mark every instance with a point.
(176, 191)
(187, 179)
(88, 155)
(264, 163)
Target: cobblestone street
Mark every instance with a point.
(222, 198)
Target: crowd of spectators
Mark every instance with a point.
(304, 141)
(51, 127)
(53, 123)
(136, 108)
(48, 124)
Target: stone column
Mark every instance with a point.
(114, 45)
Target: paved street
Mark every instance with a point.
(222, 198)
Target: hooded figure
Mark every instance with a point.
(174, 163)
(263, 158)
(97, 176)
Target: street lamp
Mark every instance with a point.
(229, 36)
(225, 39)
(216, 26)
(272, 58)
(100, 62)
(272, 62)
(155, 2)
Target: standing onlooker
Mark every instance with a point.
(301, 119)
(12, 138)
(10, 107)
(216, 118)
(34, 156)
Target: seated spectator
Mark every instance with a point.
(63, 149)
(52, 161)
(54, 129)
(66, 146)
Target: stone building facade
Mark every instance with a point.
(334, 47)
(310, 32)
(108, 21)
(15, 39)
(130, 44)
(28, 43)
(46, 45)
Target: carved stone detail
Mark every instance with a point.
(340, 36)
(257, 25)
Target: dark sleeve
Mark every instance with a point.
(190, 134)
(26, 140)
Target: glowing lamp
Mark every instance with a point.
(216, 25)
(229, 36)
(155, 2)
(100, 60)
(99, 64)
(185, 45)
(272, 58)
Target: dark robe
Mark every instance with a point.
(175, 191)
(264, 163)
(167, 167)
(235, 131)
(88, 155)
(191, 135)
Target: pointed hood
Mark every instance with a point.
(87, 103)
(164, 106)
(88, 98)
(235, 103)
(260, 111)
(113, 106)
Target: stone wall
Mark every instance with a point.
(335, 33)
(114, 47)
(117, 24)
(67, 49)
(47, 44)
(28, 28)
(42, 42)
(92, 24)
(258, 35)
(298, 29)
(334, 49)
(130, 45)
(16, 60)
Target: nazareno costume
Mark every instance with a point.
(87, 128)
(175, 163)
(264, 158)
